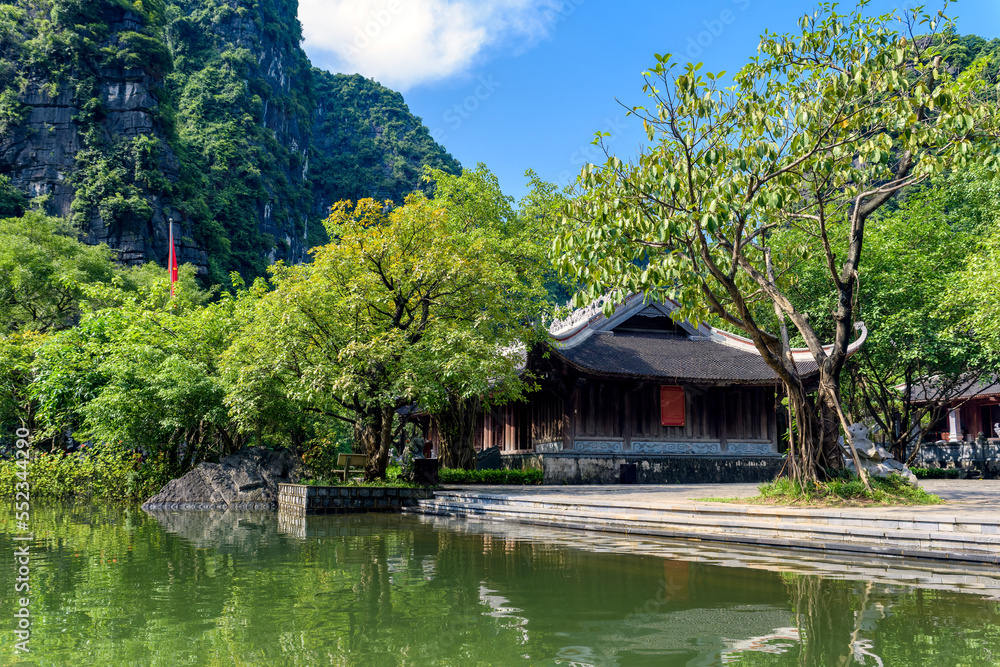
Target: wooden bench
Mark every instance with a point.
(347, 461)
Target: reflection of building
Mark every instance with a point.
(683, 403)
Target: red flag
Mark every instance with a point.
(172, 260)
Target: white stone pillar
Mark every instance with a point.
(954, 426)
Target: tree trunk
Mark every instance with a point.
(373, 437)
(456, 427)
(817, 428)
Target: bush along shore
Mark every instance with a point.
(395, 478)
(106, 474)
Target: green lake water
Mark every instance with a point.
(117, 586)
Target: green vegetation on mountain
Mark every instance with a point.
(366, 142)
(207, 111)
(55, 49)
(961, 51)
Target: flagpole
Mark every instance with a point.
(172, 259)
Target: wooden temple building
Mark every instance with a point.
(682, 403)
(968, 436)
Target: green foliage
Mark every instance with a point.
(43, 269)
(320, 454)
(138, 374)
(16, 359)
(367, 143)
(962, 52)
(973, 297)
(12, 202)
(459, 476)
(542, 209)
(936, 473)
(393, 479)
(105, 473)
(114, 181)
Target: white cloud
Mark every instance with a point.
(402, 43)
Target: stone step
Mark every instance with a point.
(739, 527)
(697, 522)
(891, 519)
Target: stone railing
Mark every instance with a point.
(957, 452)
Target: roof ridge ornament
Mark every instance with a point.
(798, 353)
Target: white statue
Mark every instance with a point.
(874, 458)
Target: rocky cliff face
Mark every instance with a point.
(205, 111)
(77, 119)
(244, 100)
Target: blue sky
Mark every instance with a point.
(522, 84)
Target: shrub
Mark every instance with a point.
(937, 473)
(393, 478)
(455, 476)
(107, 474)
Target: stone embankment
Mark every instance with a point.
(302, 499)
(965, 531)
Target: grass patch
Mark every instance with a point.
(455, 476)
(838, 492)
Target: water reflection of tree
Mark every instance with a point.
(844, 623)
(821, 614)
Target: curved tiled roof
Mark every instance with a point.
(702, 354)
(667, 357)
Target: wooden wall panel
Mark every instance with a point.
(546, 417)
(749, 413)
(628, 410)
(600, 410)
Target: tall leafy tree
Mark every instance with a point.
(43, 269)
(974, 295)
(817, 133)
(919, 356)
(142, 372)
(429, 303)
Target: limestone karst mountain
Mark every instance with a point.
(121, 115)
